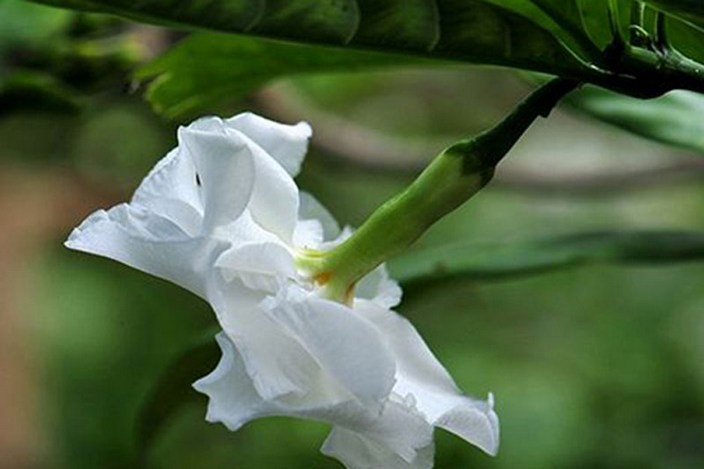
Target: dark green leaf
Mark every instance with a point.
(508, 260)
(582, 39)
(692, 10)
(468, 30)
(674, 119)
(582, 24)
(687, 38)
(173, 391)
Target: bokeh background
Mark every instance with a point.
(598, 366)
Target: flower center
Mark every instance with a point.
(315, 265)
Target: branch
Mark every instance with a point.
(354, 144)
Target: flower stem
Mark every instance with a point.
(453, 176)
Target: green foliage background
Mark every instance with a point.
(591, 367)
(598, 365)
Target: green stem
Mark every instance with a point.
(451, 179)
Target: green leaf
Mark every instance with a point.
(173, 391)
(473, 31)
(687, 38)
(207, 70)
(468, 30)
(583, 25)
(589, 21)
(508, 260)
(692, 10)
(684, 26)
(674, 119)
(580, 39)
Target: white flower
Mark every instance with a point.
(221, 216)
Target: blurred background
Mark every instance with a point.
(598, 366)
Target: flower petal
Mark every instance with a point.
(225, 168)
(312, 209)
(261, 266)
(233, 399)
(274, 201)
(378, 287)
(149, 243)
(288, 144)
(420, 375)
(359, 451)
(361, 438)
(315, 224)
(265, 187)
(170, 190)
(344, 344)
(277, 363)
(308, 234)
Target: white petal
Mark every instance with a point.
(359, 451)
(421, 375)
(312, 209)
(344, 234)
(260, 266)
(378, 287)
(266, 188)
(274, 201)
(233, 400)
(286, 143)
(224, 164)
(277, 363)
(149, 243)
(398, 436)
(343, 343)
(473, 420)
(315, 224)
(245, 230)
(170, 190)
(308, 234)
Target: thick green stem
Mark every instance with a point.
(451, 179)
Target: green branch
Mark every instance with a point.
(451, 179)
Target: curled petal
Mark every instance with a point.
(274, 201)
(342, 343)
(245, 230)
(225, 169)
(397, 438)
(260, 266)
(243, 173)
(378, 287)
(360, 451)
(473, 420)
(233, 399)
(149, 243)
(278, 365)
(223, 166)
(420, 375)
(288, 144)
(170, 190)
(316, 225)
